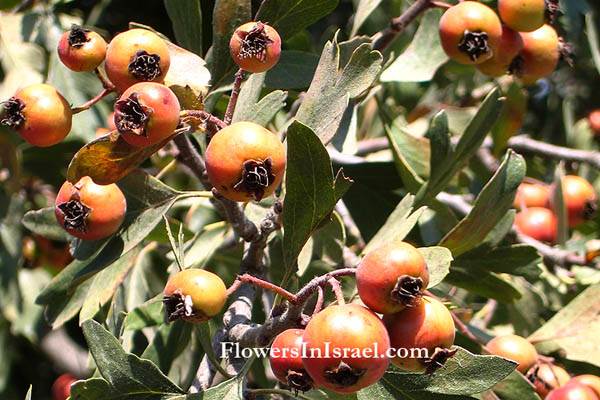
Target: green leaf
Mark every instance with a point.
(592, 35)
(168, 342)
(410, 157)
(145, 315)
(424, 55)
(483, 283)
(511, 117)
(515, 387)
(289, 17)
(109, 158)
(105, 284)
(469, 143)
(311, 191)
(294, 70)
(329, 93)
(227, 16)
(441, 148)
(125, 372)
(186, 20)
(517, 259)
(248, 106)
(574, 329)
(492, 203)
(463, 374)
(43, 222)
(363, 10)
(559, 206)
(398, 225)
(147, 200)
(438, 261)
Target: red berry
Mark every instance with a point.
(146, 113)
(514, 348)
(61, 389)
(134, 56)
(572, 391)
(594, 121)
(531, 195)
(90, 211)
(470, 32)
(523, 15)
(591, 381)
(245, 161)
(580, 199)
(546, 377)
(539, 56)
(194, 295)
(286, 360)
(346, 348)
(539, 223)
(39, 114)
(427, 326)
(392, 277)
(508, 48)
(81, 49)
(255, 47)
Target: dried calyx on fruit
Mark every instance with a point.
(286, 361)
(39, 114)
(145, 66)
(245, 161)
(81, 49)
(391, 277)
(255, 47)
(131, 115)
(194, 295)
(90, 211)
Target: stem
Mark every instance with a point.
(212, 123)
(320, 299)
(240, 223)
(88, 104)
(398, 24)
(189, 156)
(311, 287)
(267, 285)
(234, 286)
(166, 169)
(239, 78)
(106, 84)
(337, 289)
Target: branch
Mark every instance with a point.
(189, 156)
(241, 225)
(524, 144)
(398, 24)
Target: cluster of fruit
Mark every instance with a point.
(537, 215)
(551, 382)
(391, 281)
(524, 45)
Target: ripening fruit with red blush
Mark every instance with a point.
(546, 377)
(427, 326)
(532, 195)
(523, 15)
(61, 388)
(255, 47)
(39, 114)
(580, 200)
(345, 348)
(594, 121)
(81, 49)
(539, 56)
(194, 295)
(286, 360)
(470, 32)
(572, 391)
(146, 113)
(245, 161)
(539, 223)
(516, 348)
(591, 381)
(90, 211)
(134, 56)
(508, 48)
(392, 277)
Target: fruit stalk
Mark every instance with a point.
(239, 78)
(88, 104)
